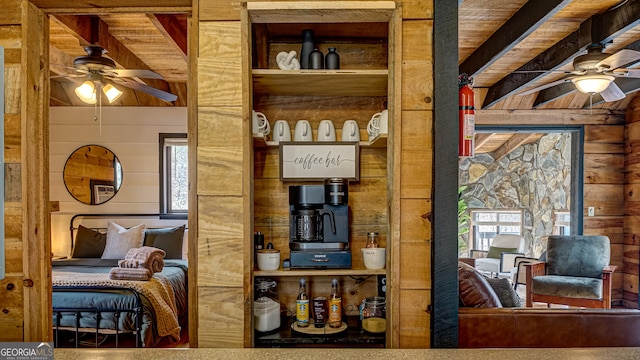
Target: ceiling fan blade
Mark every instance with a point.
(549, 72)
(622, 57)
(631, 73)
(139, 73)
(161, 94)
(612, 93)
(546, 86)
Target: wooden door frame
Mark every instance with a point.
(35, 159)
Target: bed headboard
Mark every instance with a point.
(99, 221)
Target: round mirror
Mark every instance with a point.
(92, 174)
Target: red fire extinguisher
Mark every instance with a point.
(466, 116)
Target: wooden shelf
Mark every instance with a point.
(320, 272)
(320, 11)
(320, 82)
(378, 142)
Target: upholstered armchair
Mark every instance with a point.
(501, 255)
(576, 273)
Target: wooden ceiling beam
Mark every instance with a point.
(511, 144)
(542, 117)
(526, 20)
(174, 29)
(93, 30)
(601, 28)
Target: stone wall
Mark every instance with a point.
(534, 177)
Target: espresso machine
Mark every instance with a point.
(319, 225)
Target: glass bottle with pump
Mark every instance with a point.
(335, 306)
(302, 305)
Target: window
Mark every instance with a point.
(485, 224)
(174, 179)
(562, 223)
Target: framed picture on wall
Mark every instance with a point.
(101, 191)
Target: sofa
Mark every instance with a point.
(483, 321)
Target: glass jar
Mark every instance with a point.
(266, 306)
(374, 314)
(372, 240)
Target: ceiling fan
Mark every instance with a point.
(100, 72)
(595, 71)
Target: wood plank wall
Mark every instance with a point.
(25, 296)
(631, 247)
(603, 190)
(11, 290)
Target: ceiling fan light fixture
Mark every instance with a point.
(592, 84)
(111, 92)
(87, 92)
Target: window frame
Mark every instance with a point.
(163, 175)
(475, 245)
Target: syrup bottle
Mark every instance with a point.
(302, 305)
(335, 306)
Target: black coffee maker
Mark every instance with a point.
(319, 225)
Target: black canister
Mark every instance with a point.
(307, 48)
(316, 60)
(332, 60)
(336, 191)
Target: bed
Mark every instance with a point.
(91, 306)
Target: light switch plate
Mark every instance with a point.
(591, 211)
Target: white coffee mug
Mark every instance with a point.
(303, 131)
(281, 131)
(326, 131)
(350, 131)
(379, 124)
(260, 123)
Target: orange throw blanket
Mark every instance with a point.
(144, 257)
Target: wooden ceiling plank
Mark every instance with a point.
(173, 30)
(511, 144)
(553, 93)
(481, 139)
(530, 16)
(599, 28)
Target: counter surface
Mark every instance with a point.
(324, 353)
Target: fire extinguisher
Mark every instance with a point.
(466, 116)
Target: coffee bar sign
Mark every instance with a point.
(317, 161)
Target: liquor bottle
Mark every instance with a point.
(302, 305)
(335, 306)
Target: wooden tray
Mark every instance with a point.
(312, 330)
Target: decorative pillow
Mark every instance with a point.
(167, 239)
(474, 289)
(120, 240)
(88, 243)
(507, 295)
(494, 252)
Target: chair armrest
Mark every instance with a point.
(468, 261)
(508, 261)
(477, 254)
(609, 269)
(535, 269)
